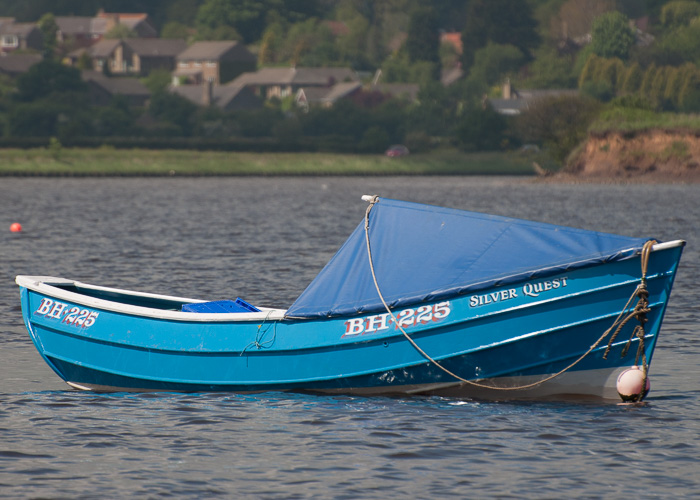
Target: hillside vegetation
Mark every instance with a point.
(633, 64)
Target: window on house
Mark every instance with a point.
(10, 41)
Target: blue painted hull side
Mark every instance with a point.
(499, 334)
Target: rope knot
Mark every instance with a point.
(263, 328)
(640, 311)
(372, 200)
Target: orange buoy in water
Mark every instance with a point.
(15, 227)
(630, 385)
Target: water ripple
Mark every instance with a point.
(261, 239)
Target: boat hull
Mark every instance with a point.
(497, 339)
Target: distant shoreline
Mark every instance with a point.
(110, 162)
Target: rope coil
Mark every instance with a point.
(639, 312)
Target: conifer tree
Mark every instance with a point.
(673, 87)
(589, 70)
(609, 71)
(647, 80)
(688, 92)
(658, 84)
(632, 79)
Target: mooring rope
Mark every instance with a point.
(645, 259)
(259, 343)
(639, 313)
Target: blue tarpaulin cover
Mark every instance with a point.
(426, 253)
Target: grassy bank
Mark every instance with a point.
(121, 162)
(626, 120)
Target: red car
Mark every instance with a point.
(396, 151)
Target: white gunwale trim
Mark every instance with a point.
(46, 285)
(668, 244)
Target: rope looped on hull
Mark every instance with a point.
(640, 311)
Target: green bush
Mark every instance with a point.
(559, 124)
(374, 140)
(495, 61)
(418, 142)
(549, 70)
(55, 148)
(601, 90)
(612, 35)
(679, 13)
(481, 130)
(632, 79)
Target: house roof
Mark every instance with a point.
(215, 50)
(297, 76)
(20, 29)
(74, 25)
(132, 17)
(525, 98)
(144, 47)
(450, 76)
(98, 26)
(228, 93)
(454, 39)
(312, 94)
(340, 90)
(104, 47)
(222, 95)
(18, 64)
(105, 21)
(540, 93)
(265, 76)
(122, 86)
(327, 95)
(193, 93)
(509, 106)
(82, 25)
(162, 47)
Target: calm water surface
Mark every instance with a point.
(264, 240)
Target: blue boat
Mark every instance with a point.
(419, 300)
